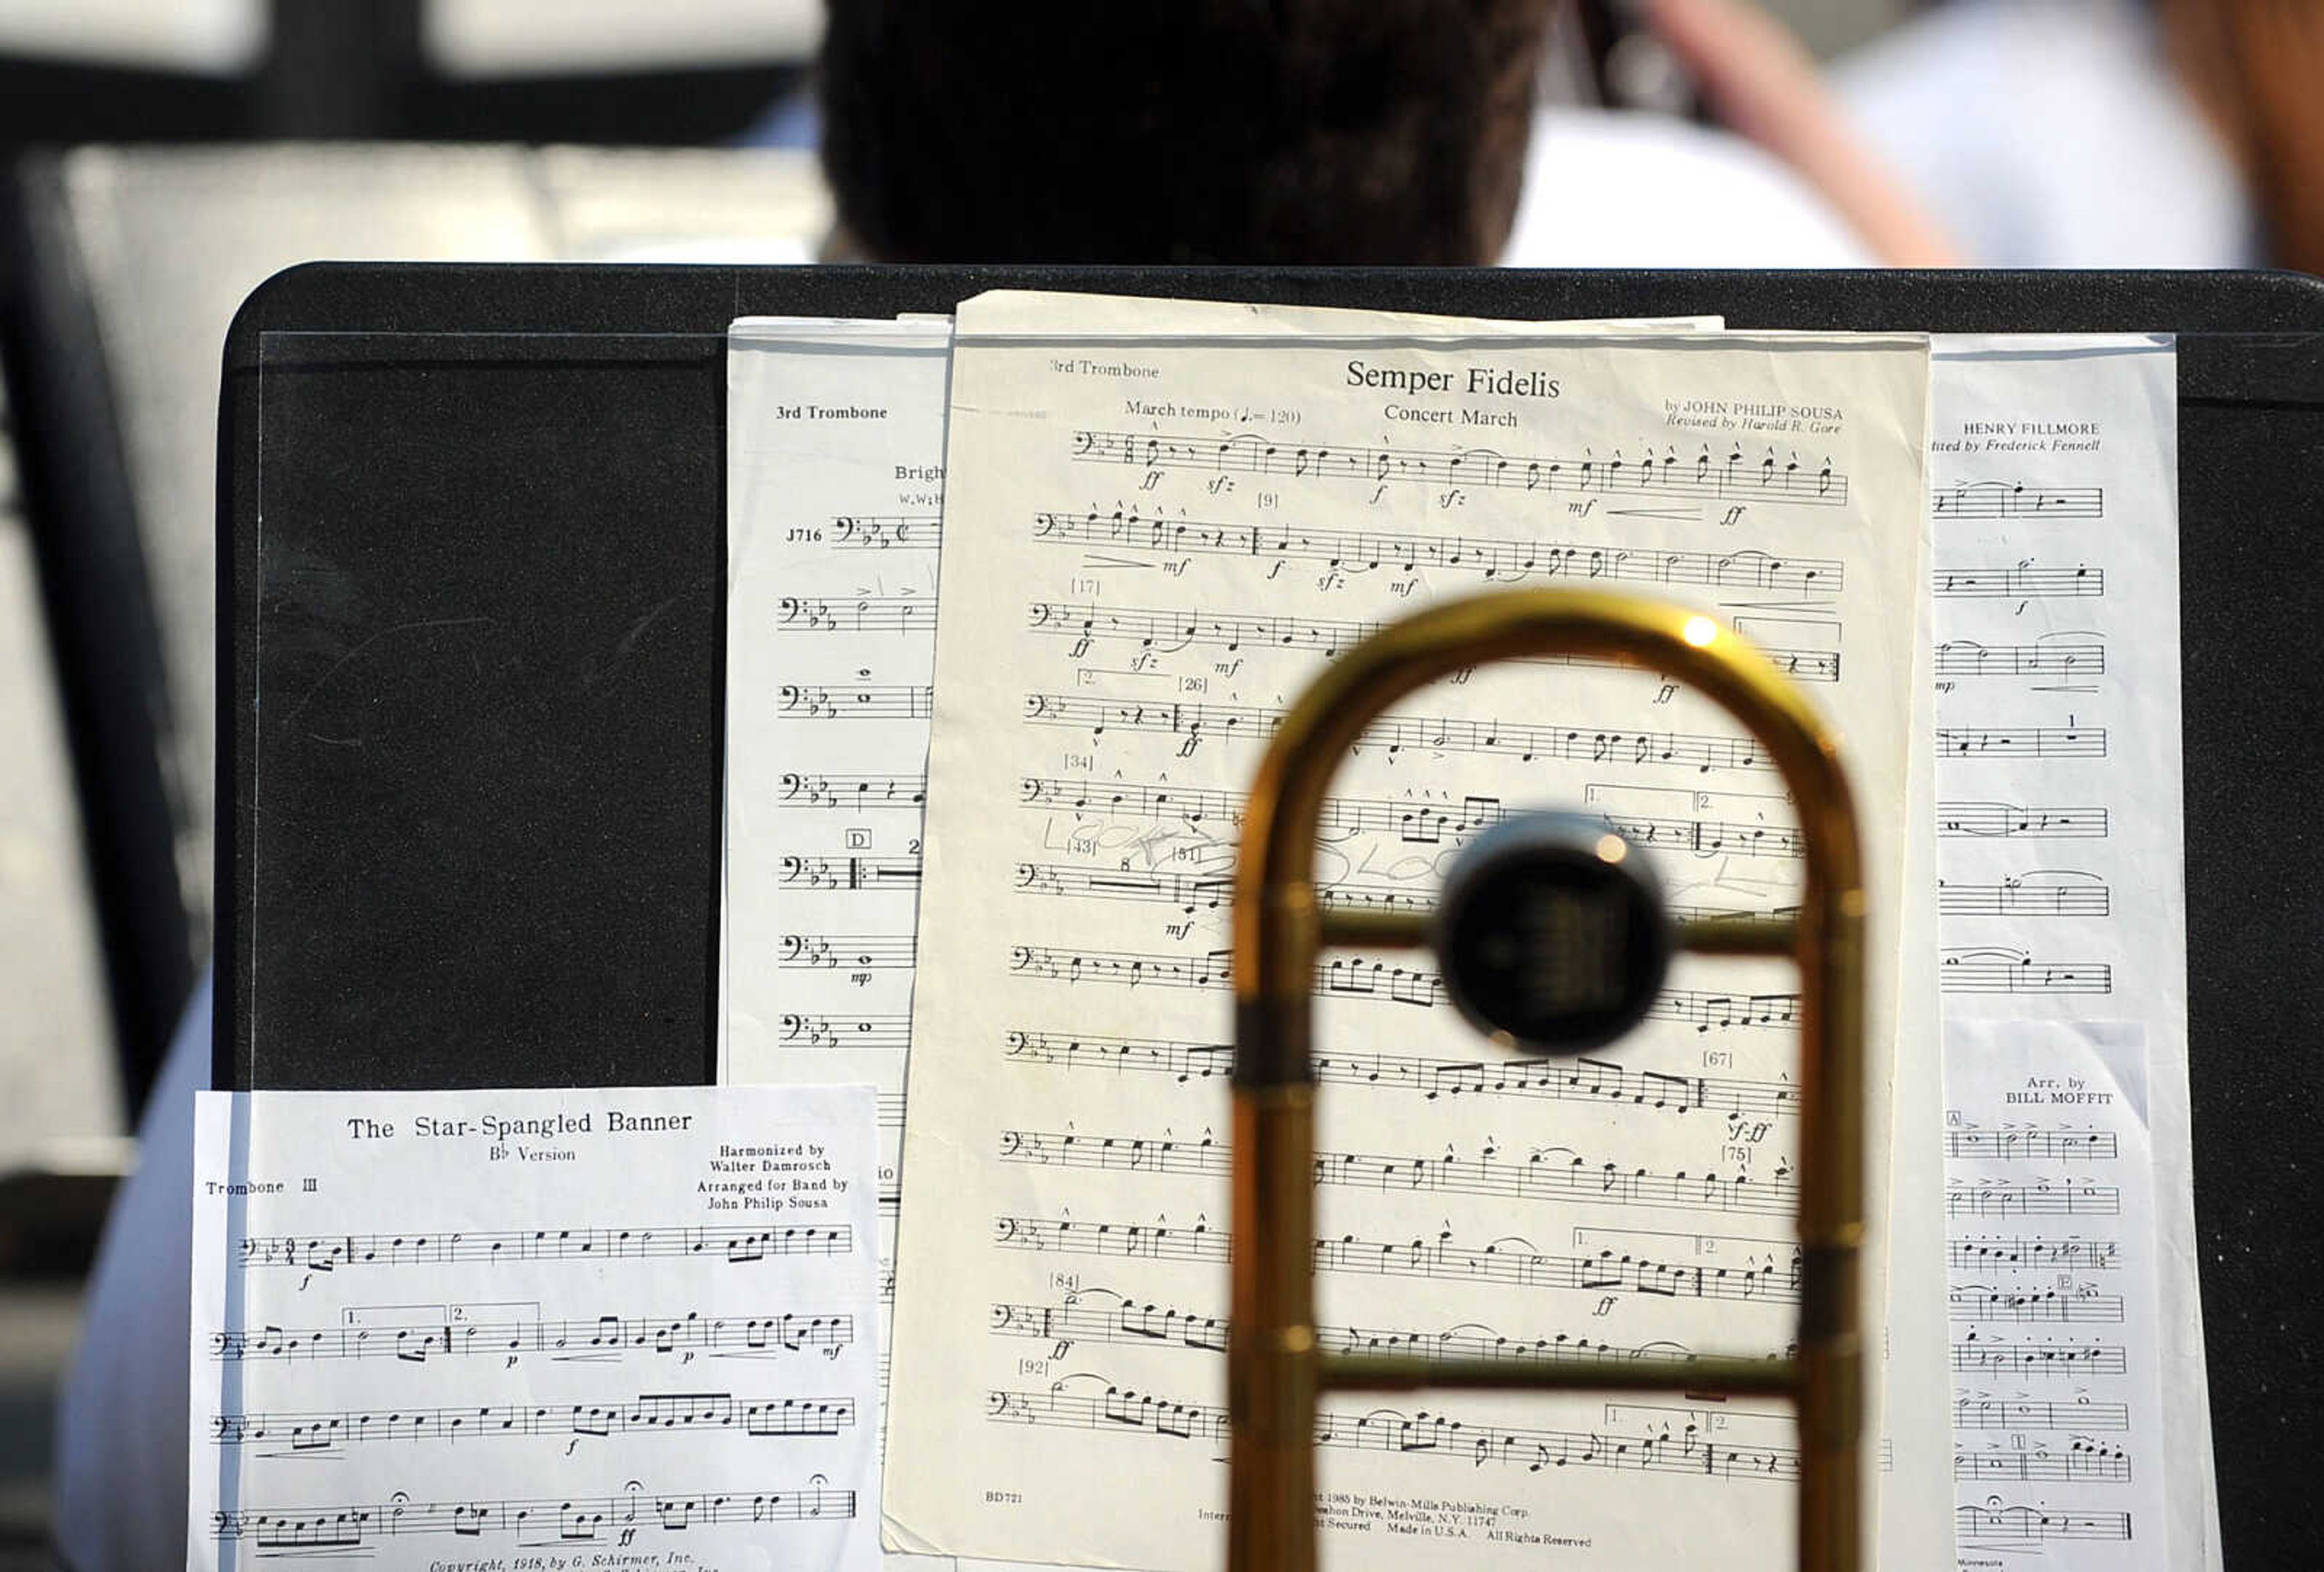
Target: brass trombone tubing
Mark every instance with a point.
(1274, 1369)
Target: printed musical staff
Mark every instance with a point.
(1733, 475)
(1368, 551)
(2004, 499)
(862, 614)
(458, 1336)
(2014, 972)
(2023, 1145)
(1099, 1315)
(856, 793)
(809, 873)
(652, 1413)
(1980, 1302)
(2005, 1527)
(879, 1031)
(2023, 582)
(550, 1521)
(2031, 1198)
(2039, 894)
(845, 951)
(1686, 1450)
(1544, 1174)
(2055, 655)
(2078, 1460)
(1996, 819)
(1192, 893)
(1174, 629)
(738, 1245)
(1349, 978)
(1974, 1355)
(1523, 741)
(1416, 822)
(1579, 1080)
(1971, 1253)
(866, 701)
(1512, 1261)
(2033, 743)
(1989, 1413)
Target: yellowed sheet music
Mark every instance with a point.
(1151, 542)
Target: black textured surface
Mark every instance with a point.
(470, 757)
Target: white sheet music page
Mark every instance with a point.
(2055, 496)
(834, 488)
(1155, 541)
(2053, 1159)
(535, 1329)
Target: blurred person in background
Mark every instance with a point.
(2108, 133)
(1337, 131)
(1324, 132)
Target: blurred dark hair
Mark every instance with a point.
(1185, 131)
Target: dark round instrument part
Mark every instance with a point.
(1552, 935)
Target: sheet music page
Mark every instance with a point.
(835, 456)
(1170, 537)
(2055, 496)
(2050, 1126)
(535, 1329)
(835, 492)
